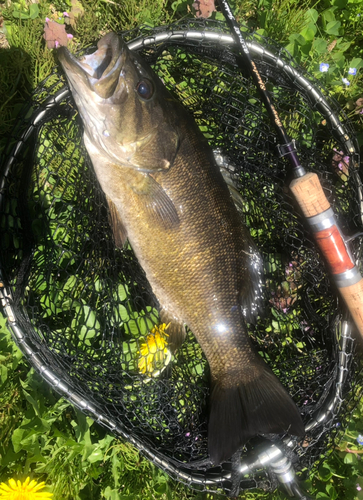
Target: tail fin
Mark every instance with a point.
(254, 405)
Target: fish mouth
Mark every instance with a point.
(99, 71)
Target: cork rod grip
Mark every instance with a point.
(312, 200)
(309, 194)
(353, 297)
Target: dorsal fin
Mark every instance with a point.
(251, 296)
(226, 170)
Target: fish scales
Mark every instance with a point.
(168, 197)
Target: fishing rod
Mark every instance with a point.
(308, 192)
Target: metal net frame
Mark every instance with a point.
(81, 310)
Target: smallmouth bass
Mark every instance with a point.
(167, 197)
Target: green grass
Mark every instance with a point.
(42, 435)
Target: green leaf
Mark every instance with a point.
(333, 495)
(3, 374)
(339, 3)
(87, 451)
(161, 489)
(132, 328)
(122, 311)
(275, 325)
(111, 494)
(325, 473)
(298, 38)
(305, 49)
(59, 434)
(37, 458)
(95, 456)
(320, 45)
(115, 469)
(20, 15)
(339, 59)
(291, 48)
(90, 317)
(357, 62)
(122, 292)
(300, 345)
(328, 15)
(309, 32)
(8, 29)
(34, 10)
(16, 439)
(70, 283)
(219, 16)
(343, 46)
(82, 428)
(10, 456)
(106, 441)
(350, 458)
(37, 426)
(30, 399)
(311, 15)
(333, 27)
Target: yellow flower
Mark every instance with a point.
(28, 490)
(154, 353)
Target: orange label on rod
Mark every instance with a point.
(331, 243)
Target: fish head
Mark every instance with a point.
(125, 108)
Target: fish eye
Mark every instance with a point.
(145, 89)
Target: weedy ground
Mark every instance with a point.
(42, 435)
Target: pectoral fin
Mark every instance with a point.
(119, 230)
(152, 195)
(156, 201)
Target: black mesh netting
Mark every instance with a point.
(81, 309)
